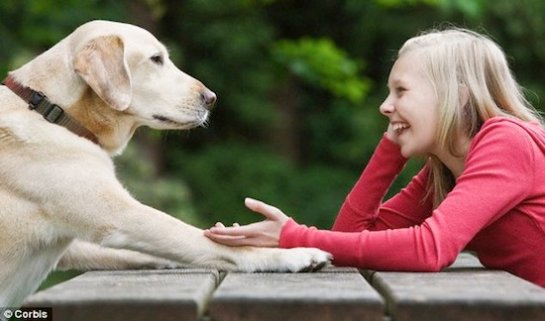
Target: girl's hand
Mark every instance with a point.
(264, 234)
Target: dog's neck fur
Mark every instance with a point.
(112, 128)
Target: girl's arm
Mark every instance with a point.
(489, 187)
(363, 208)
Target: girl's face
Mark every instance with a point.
(411, 107)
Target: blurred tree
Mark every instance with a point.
(319, 62)
(30, 27)
(519, 27)
(273, 93)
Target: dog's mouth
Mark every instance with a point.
(199, 121)
(164, 119)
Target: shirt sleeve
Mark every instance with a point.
(363, 208)
(489, 186)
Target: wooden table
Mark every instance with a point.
(465, 291)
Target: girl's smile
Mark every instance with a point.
(399, 127)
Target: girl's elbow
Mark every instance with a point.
(439, 263)
(433, 268)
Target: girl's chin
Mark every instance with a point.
(408, 152)
(405, 154)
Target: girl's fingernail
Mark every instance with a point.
(249, 200)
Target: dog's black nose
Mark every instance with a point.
(209, 97)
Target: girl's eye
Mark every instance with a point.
(158, 59)
(400, 90)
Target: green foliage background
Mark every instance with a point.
(299, 85)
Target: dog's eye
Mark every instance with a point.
(158, 59)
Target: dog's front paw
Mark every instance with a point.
(305, 259)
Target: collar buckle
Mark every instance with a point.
(35, 99)
(53, 113)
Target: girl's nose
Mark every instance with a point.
(387, 107)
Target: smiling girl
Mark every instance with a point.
(452, 98)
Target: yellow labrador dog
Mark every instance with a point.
(62, 115)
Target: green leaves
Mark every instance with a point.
(319, 62)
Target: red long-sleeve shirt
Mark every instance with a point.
(497, 209)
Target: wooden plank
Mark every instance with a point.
(333, 294)
(463, 261)
(464, 291)
(136, 295)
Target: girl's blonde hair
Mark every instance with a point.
(463, 63)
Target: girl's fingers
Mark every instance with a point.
(264, 233)
(233, 240)
(238, 240)
(226, 239)
(242, 231)
(270, 212)
(220, 225)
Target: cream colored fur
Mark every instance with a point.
(61, 204)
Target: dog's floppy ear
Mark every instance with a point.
(101, 63)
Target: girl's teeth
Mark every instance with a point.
(399, 127)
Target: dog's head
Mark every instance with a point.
(130, 70)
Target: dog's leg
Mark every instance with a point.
(84, 256)
(153, 232)
(92, 205)
(137, 227)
